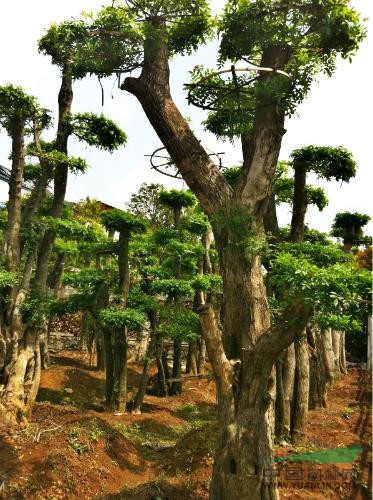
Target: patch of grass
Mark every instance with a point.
(150, 432)
(194, 417)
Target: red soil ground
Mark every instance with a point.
(74, 450)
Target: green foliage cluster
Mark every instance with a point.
(7, 278)
(74, 303)
(317, 253)
(207, 283)
(119, 220)
(57, 158)
(61, 42)
(32, 172)
(349, 226)
(98, 131)
(306, 35)
(346, 220)
(336, 290)
(3, 219)
(197, 223)
(284, 193)
(73, 230)
(68, 247)
(177, 322)
(327, 161)
(15, 105)
(316, 196)
(35, 309)
(176, 198)
(173, 287)
(117, 318)
(87, 278)
(111, 41)
(232, 175)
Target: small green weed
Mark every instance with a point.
(74, 442)
(347, 412)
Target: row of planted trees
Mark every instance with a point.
(263, 335)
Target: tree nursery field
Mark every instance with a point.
(185, 343)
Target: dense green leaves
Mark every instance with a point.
(207, 283)
(117, 318)
(119, 220)
(173, 287)
(97, 130)
(74, 230)
(335, 290)
(349, 226)
(7, 278)
(327, 161)
(176, 198)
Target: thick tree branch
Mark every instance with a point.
(262, 149)
(152, 89)
(270, 345)
(221, 366)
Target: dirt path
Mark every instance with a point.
(74, 450)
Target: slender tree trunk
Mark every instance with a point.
(109, 378)
(176, 387)
(123, 266)
(288, 387)
(191, 366)
(201, 360)
(147, 361)
(299, 205)
(65, 98)
(54, 279)
(40, 189)
(336, 342)
(301, 390)
(342, 356)
(270, 221)
(121, 350)
(162, 374)
(11, 246)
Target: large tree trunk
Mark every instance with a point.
(244, 446)
(243, 456)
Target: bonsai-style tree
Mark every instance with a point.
(328, 163)
(176, 200)
(349, 227)
(115, 337)
(301, 40)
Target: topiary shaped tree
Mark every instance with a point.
(349, 227)
(125, 224)
(328, 163)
